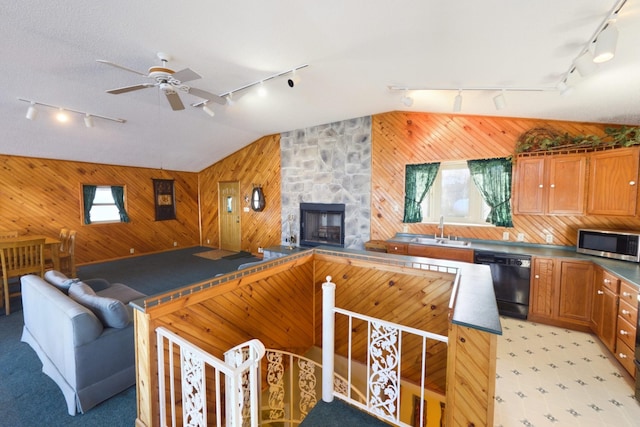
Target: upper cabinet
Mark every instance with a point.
(613, 182)
(597, 183)
(550, 185)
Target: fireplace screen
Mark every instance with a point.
(321, 224)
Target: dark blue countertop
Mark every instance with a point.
(627, 271)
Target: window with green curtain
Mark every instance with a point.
(88, 194)
(418, 181)
(118, 198)
(493, 179)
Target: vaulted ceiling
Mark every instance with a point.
(353, 52)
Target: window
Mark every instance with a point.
(454, 196)
(103, 203)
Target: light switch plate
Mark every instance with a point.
(505, 235)
(520, 237)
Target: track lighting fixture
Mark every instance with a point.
(585, 65)
(262, 91)
(606, 43)
(63, 113)
(294, 79)
(32, 112)
(208, 110)
(500, 101)
(406, 99)
(457, 102)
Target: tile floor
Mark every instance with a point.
(548, 376)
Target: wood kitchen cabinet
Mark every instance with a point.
(397, 248)
(552, 185)
(440, 252)
(604, 313)
(626, 327)
(613, 178)
(561, 292)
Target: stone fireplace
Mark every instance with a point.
(322, 224)
(328, 164)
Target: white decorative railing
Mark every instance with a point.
(237, 375)
(383, 364)
(293, 387)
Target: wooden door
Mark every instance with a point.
(542, 284)
(229, 214)
(613, 177)
(529, 186)
(576, 292)
(566, 184)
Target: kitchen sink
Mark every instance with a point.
(439, 241)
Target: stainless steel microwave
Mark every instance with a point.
(610, 244)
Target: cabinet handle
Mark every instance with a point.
(553, 186)
(632, 183)
(537, 276)
(395, 248)
(600, 292)
(626, 294)
(625, 312)
(540, 186)
(622, 356)
(623, 332)
(606, 281)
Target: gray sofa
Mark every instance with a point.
(83, 334)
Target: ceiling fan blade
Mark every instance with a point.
(174, 101)
(207, 95)
(186, 75)
(113, 64)
(130, 88)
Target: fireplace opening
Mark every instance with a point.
(322, 224)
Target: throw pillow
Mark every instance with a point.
(111, 312)
(59, 280)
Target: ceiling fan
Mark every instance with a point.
(168, 81)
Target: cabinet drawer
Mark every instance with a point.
(626, 332)
(625, 356)
(397, 248)
(610, 281)
(628, 312)
(629, 294)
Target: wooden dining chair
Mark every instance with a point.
(19, 258)
(67, 253)
(8, 234)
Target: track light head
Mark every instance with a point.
(32, 112)
(500, 101)
(293, 80)
(585, 65)
(62, 116)
(88, 120)
(406, 100)
(606, 43)
(208, 110)
(457, 102)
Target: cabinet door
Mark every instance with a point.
(454, 254)
(529, 186)
(613, 177)
(566, 183)
(604, 313)
(541, 293)
(397, 248)
(575, 291)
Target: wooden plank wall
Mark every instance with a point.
(258, 163)
(40, 196)
(401, 138)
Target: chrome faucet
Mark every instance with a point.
(441, 226)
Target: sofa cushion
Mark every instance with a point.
(120, 292)
(111, 312)
(59, 280)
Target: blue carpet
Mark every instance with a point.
(339, 414)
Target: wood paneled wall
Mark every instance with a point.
(258, 163)
(401, 138)
(40, 196)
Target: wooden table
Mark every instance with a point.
(50, 243)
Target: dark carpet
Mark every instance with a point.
(339, 414)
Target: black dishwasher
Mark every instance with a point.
(511, 275)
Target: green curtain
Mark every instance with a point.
(493, 179)
(118, 197)
(88, 194)
(418, 182)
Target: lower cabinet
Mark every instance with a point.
(626, 327)
(604, 313)
(439, 252)
(561, 292)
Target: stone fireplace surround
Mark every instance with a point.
(328, 164)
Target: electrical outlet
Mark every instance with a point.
(260, 250)
(505, 235)
(405, 228)
(548, 238)
(520, 237)
(131, 250)
(175, 243)
(208, 241)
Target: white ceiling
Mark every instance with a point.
(354, 50)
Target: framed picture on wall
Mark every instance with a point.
(164, 199)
